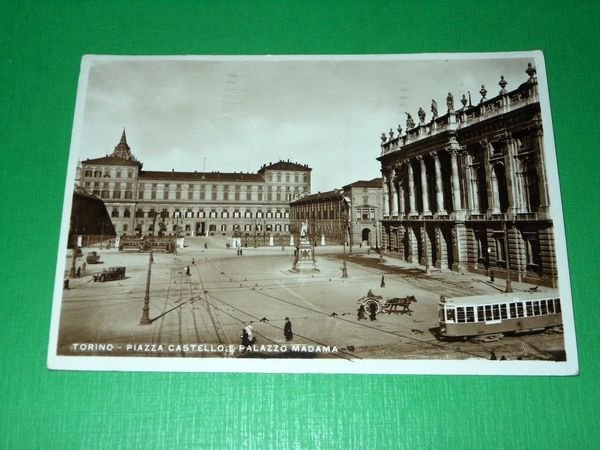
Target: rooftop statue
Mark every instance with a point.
(410, 123)
(421, 115)
(450, 102)
(434, 109)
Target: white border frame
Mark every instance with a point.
(374, 366)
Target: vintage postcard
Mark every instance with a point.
(317, 214)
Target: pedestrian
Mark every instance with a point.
(245, 340)
(205, 245)
(187, 270)
(491, 276)
(241, 251)
(66, 284)
(372, 311)
(78, 273)
(83, 267)
(250, 332)
(287, 330)
(383, 280)
(361, 312)
(493, 356)
(369, 251)
(193, 261)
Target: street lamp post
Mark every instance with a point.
(145, 320)
(378, 240)
(425, 251)
(346, 225)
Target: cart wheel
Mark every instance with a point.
(368, 304)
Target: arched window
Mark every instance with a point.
(499, 187)
(127, 213)
(115, 213)
(531, 186)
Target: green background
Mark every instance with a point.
(41, 44)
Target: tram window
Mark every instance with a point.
(470, 313)
(520, 310)
(480, 317)
(460, 314)
(550, 306)
(450, 315)
(488, 312)
(529, 309)
(536, 308)
(543, 307)
(557, 305)
(503, 312)
(513, 310)
(496, 311)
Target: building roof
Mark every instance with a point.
(200, 176)
(111, 161)
(285, 165)
(319, 197)
(121, 155)
(375, 183)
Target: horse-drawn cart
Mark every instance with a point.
(394, 305)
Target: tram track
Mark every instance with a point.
(434, 343)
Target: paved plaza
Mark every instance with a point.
(203, 313)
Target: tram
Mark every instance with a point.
(498, 314)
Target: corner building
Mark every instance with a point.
(468, 191)
(352, 211)
(251, 206)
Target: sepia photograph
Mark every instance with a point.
(313, 214)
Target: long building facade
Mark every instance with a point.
(253, 207)
(468, 190)
(351, 213)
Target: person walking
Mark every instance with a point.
(372, 311)
(245, 340)
(250, 332)
(361, 313)
(287, 330)
(383, 280)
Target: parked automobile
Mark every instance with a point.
(92, 258)
(112, 273)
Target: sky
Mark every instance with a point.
(236, 114)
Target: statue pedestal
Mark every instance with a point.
(304, 257)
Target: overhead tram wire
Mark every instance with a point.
(339, 354)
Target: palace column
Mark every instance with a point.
(512, 185)
(439, 190)
(394, 193)
(402, 206)
(540, 167)
(411, 189)
(492, 191)
(386, 194)
(455, 181)
(424, 188)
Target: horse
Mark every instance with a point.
(392, 305)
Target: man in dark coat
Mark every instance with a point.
(245, 338)
(361, 312)
(287, 330)
(372, 311)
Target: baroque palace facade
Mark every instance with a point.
(468, 191)
(251, 206)
(356, 208)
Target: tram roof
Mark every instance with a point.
(475, 300)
